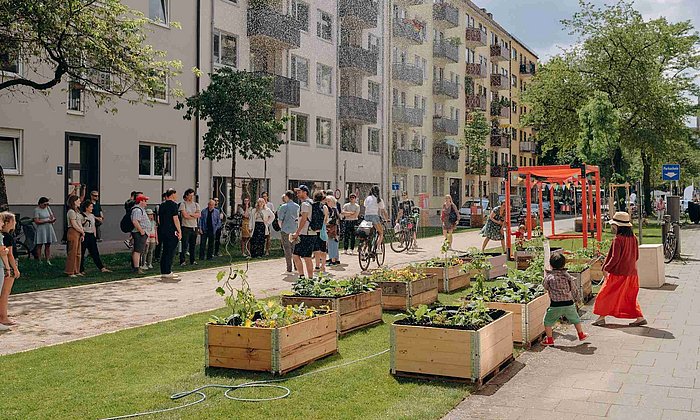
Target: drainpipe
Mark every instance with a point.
(337, 102)
(197, 89)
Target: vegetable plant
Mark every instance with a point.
(404, 275)
(325, 286)
(577, 268)
(473, 315)
(438, 262)
(480, 265)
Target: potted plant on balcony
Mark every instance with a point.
(357, 300)
(405, 288)
(264, 335)
(455, 41)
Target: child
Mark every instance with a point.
(9, 265)
(562, 293)
(152, 231)
(520, 238)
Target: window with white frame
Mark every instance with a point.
(324, 79)
(156, 160)
(375, 91)
(323, 131)
(324, 26)
(424, 184)
(76, 94)
(416, 184)
(9, 57)
(159, 11)
(300, 128)
(300, 12)
(373, 140)
(225, 49)
(159, 91)
(10, 142)
(300, 70)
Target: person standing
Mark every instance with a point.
(159, 244)
(304, 237)
(139, 234)
(190, 211)
(660, 209)
(151, 242)
(351, 213)
(169, 233)
(44, 233)
(222, 219)
(563, 295)
(9, 264)
(89, 243)
(209, 223)
(332, 243)
(288, 214)
(269, 205)
(618, 295)
(98, 213)
(74, 237)
(449, 216)
(260, 220)
(493, 229)
(244, 210)
(128, 206)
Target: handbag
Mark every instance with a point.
(276, 224)
(324, 233)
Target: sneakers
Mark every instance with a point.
(150, 266)
(127, 243)
(48, 262)
(4, 327)
(548, 341)
(582, 336)
(139, 271)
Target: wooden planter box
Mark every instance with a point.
(498, 265)
(445, 352)
(276, 350)
(596, 266)
(405, 295)
(354, 311)
(528, 318)
(523, 258)
(448, 280)
(583, 281)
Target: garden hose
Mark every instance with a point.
(271, 383)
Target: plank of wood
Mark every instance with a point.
(394, 303)
(311, 302)
(494, 356)
(429, 333)
(422, 285)
(456, 371)
(423, 349)
(310, 351)
(295, 335)
(495, 332)
(365, 316)
(354, 303)
(425, 298)
(244, 354)
(255, 365)
(245, 337)
(393, 288)
(459, 282)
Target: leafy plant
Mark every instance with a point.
(405, 275)
(438, 262)
(324, 286)
(473, 315)
(480, 264)
(577, 268)
(512, 290)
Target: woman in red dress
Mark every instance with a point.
(618, 296)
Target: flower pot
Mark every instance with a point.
(404, 295)
(528, 318)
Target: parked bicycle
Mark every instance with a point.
(670, 241)
(231, 231)
(24, 238)
(404, 234)
(369, 248)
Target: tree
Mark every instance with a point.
(599, 136)
(238, 107)
(645, 68)
(476, 130)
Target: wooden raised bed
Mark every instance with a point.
(454, 353)
(276, 350)
(523, 258)
(583, 281)
(498, 265)
(449, 279)
(596, 265)
(528, 318)
(405, 295)
(354, 311)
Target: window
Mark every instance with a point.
(324, 79)
(424, 184)
(324, 26)
(158, 11)
(156, 160)
(300, 124)
(323, 131)
(375, 91)
(9, 57)
(159, 92)
(436, 193)
(350, 139)
(416, 184)
(225, 49)
(10, 151)
(300, 12)
(300, 70)
(373, 43)
(442, 185)
(75, 97)
(373, 140)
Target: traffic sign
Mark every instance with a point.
(395, 186)
(671, 172)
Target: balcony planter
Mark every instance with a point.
(404, 289)
(448, 271)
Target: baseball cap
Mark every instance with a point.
(304, 188)
(149, 211)
(141, 198)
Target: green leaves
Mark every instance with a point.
(472, 315)
(220, 275)
(324, 286)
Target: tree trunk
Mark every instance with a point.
(4, 205)
(233, 181)
(646, 182)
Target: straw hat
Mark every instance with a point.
(621, 218)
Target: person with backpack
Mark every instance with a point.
(125, 223)
(319, 212)
(333, 231)
(139, 233)
(449, 216)
(304, 238)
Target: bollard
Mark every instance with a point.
(673, 208)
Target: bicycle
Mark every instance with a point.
(369, 248)
(670, 242)
(24, 238)
(231, 231)
(405, 236)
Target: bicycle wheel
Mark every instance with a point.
(363, 255)
(381, 254)
(670, 244)
(399, 244)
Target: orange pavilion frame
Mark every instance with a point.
(559, 175)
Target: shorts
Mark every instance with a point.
(305, 247)
(139, 242)
(555, 312)
(320, 245)
(373, 218)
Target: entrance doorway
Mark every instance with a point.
(456, 191)
(82, 162)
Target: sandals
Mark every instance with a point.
(638, 323)
(599, 323)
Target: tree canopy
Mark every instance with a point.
(476, 131)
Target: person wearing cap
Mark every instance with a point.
(139, 234)
(151, 242)
(89, 243)
(44, 233)
(618, 296)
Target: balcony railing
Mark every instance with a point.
(476, 102)
(446, 88)
(528, 146)
(358, 59)
(358, 110)
(475, 38)
(500, 139)
(445, 162)
(411, 2)
(445, 125)
(410, 116)
(408, 159)
(408, 29)
(359, 13)
(499, 171)
(274, 28)
(286, 90)
(446, 50)
(500, 111)
(528, 69)
(500, 82)
(446, 15)
(408, 73)
(477, 71)
(500, 53)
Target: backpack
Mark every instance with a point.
(126, 225)
(316, 222)
(452, 216)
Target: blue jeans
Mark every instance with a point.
(333, 249)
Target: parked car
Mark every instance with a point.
(466, 210)
(535, 210)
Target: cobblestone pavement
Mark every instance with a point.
(56, 316)
(619, 372)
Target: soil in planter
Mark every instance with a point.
(494, 313)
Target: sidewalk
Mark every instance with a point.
(619, 372)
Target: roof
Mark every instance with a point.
(555, 173)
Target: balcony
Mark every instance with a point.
(408, 159)
(411, 2)
(500, 139)
(476, 71)
(475, 38)
(413, 117)
(500, 82)
(528, 70)
(358, 59)
(409, 73)
(500, 110)
(445, 125)
(528, 146)
(476, 102)
(446, 88)
(446, 51)
(443, 161)
(499, 171)
(357, 110)
(273, 28)
(445, 15)
(409, 29)
(500, 53)
(360, 14)
(286, 90)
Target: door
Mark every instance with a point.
(456, 191)
(82, 164)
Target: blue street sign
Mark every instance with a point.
(671, 172)
(395, 186)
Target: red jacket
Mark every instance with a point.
(622, 257)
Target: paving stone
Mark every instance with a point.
(664, 402)
(599, 385)
(644, 389)
(614, 398)
(619, 412)
(535, 414)
(671, 381)
(583, 407)
(679, 415)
